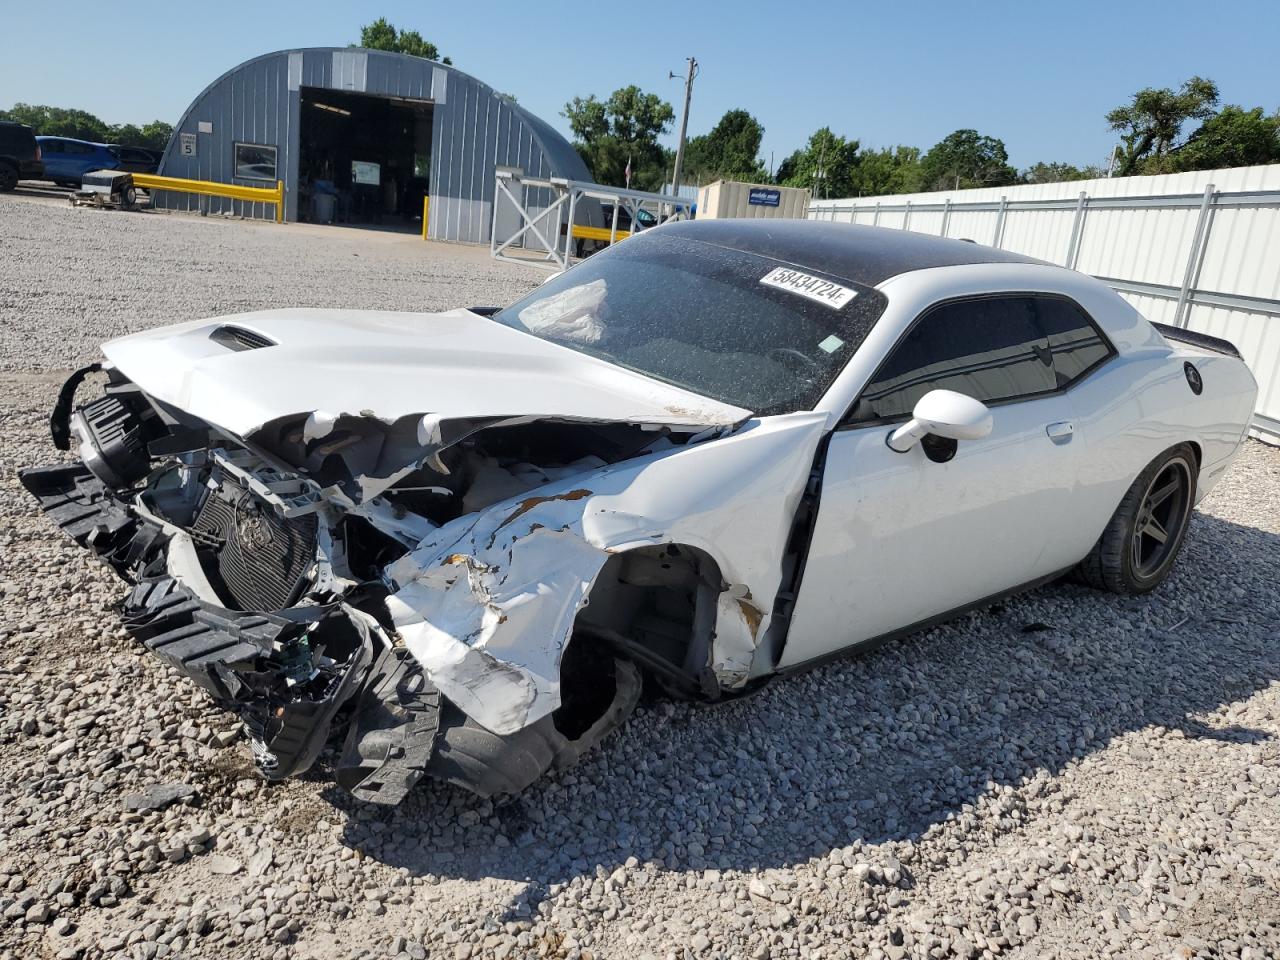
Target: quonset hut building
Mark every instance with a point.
(361, 136)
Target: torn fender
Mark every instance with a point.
(487, 602)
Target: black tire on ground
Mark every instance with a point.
(128, 198)
(1144, 536)
(8, 177)
(485, 763)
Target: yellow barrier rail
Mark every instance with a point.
(232, 191)
(598, 233)
(426, 209)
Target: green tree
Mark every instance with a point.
(730, 151)
(156, 135)
(1233, 137)
(1058, 173)
(966, 159)
(624, 129)
(381, 35)
(82, 125)
(1152, 122)
(126, 134)
(60, 122)
(885, 171)
(825, 165)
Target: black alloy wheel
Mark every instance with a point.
(1161, 517)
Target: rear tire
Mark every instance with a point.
(1144, 537)
(8, 177)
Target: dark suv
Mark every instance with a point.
(19, 155)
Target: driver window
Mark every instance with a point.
(990, 349)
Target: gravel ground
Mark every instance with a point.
(1067, 774)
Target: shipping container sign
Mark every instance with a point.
(764, 198)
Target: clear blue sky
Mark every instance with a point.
(1039, 76)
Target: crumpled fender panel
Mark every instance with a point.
(487, 602)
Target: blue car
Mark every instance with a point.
(66, 160)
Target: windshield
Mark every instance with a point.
(729, 325)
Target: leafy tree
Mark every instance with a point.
(127, 134)
(82, 125)
(624, 129)
(889, 170)
(1059, 172)
(825, 166)
(730, 151)
(381, 35)
(1233, 137)
(60, 122)
(156, 135)
(1152, 122)
(966, 159)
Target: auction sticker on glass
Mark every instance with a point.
(815, 288)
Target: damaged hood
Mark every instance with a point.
(239, 372)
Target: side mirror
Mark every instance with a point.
(944, 413)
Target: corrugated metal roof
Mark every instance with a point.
(474, 129)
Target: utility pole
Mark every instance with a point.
(684, 122)
(820, 172)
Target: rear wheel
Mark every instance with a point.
(1141, 542)
(8, 177)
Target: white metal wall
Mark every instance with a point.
(1198, 250)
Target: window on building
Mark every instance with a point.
(255, 161)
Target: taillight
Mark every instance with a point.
(39, 155)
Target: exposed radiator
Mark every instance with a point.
(256, 559)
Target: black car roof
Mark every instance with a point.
(862, 254)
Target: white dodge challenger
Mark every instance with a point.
(456, 545)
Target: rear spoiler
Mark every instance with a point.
(1202, 340)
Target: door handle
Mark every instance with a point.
(1060, 432)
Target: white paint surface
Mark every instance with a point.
(455, 364)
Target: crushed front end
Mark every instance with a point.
(266, 586)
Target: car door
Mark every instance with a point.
(902, 538)
(74, 161)
(54, 159)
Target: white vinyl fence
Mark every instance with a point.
(1198, 250)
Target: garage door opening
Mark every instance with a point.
(363, 160)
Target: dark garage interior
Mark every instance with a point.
(363, 159)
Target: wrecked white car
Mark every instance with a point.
(456, 544)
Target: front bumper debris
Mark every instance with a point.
(311, 675)
(253, 663)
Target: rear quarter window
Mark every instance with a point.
(1074, 339)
